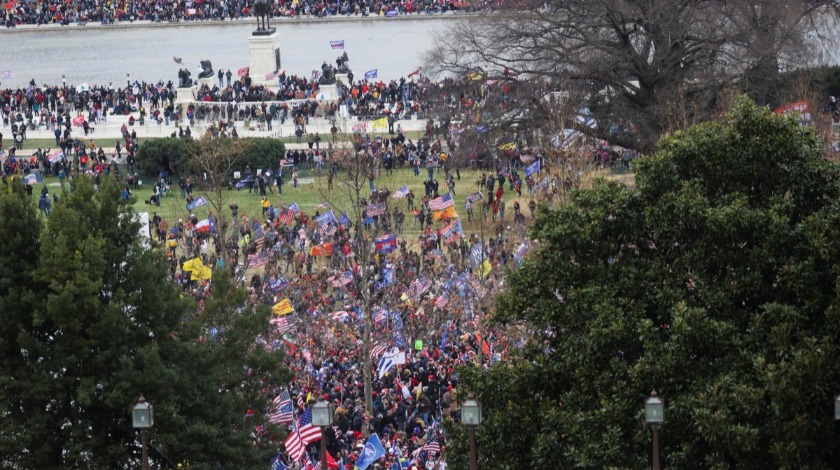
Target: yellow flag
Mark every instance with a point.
(484, 269)
(379, 124)
(203, 273)
(446, 214)
(284, 307)
(193, 264)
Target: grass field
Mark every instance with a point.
(315, 192)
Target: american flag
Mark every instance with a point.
(283, 323)
(308, 432)
(307, 354)
(257, 260)
(380, 316)
(441, 203)
(374, 210)
(479, 289)
(258, 230)
(340, 315)
(377, 349)
(286, 216)
(432, 446)
(419, 286)
(301, 401)
(283, 411)
(342, 279)
(475, 197)
(441, 301)
(328, 230)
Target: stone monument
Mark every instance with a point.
(263, 48)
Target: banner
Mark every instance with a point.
(400, 193)
(381, 123)
(324, 249)
(360, 127)
(337, 44)
(197, 202)
(56, 156)
(371, 74)
(7, 73)
(284, 307)
(386, 243)
(243, 71)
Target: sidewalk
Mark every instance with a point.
(106, 133)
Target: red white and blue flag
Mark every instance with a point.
(374, 210)
(441, 203)
(303, 434)
(337, 44)
(283, 409)
(386, 243)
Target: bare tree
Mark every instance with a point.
(631, 59)
(213, 163)
(351, 186)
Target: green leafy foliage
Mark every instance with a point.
(714, 281)
(169, 154)
(173, 155)
(89, 321)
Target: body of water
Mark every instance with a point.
(101, 55)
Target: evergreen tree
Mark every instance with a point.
(713, 281)
(93, 322)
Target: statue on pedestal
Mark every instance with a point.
(262, 10)
(327, 75)
(206, 70)
(341, 63)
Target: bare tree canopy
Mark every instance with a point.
(636, 60)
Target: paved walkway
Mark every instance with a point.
(108, 132)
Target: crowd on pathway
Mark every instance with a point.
(81, 12)
(324, 272)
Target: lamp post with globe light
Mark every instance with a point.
(471, 417)
(322, 416)
(655, 416)
(142, 418)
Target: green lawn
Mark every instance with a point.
(308, 196)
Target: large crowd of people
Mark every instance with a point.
(82, 12)
(426, 295)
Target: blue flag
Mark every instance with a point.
(532, 168)
(326, 218)
(197, 202)
(344, 220)
(371, 74)
(277, 463)
(373, 451)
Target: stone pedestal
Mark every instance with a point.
(342, 77)
(185, 97)
(209, 81)
(327, 92)
(263, 57)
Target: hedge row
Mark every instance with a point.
(173, 155)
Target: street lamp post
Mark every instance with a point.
(655, 415)
(142, 418)
(471, 417)
(837, 408)
(322, 416)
